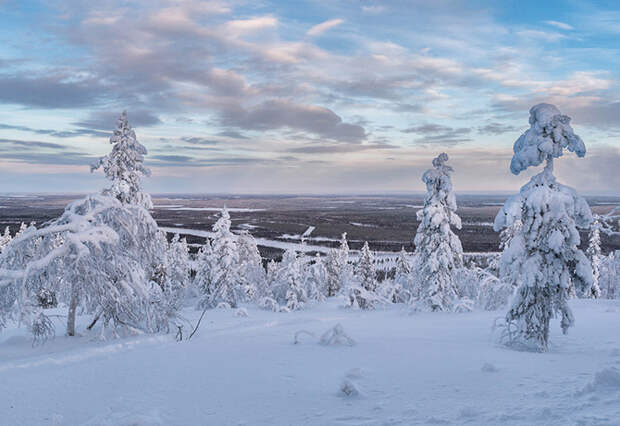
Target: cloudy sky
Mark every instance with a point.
(316, 96)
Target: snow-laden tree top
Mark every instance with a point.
(439, 184)
(549, 133)
(124, 166)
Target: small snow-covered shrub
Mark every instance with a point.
(362, 291)
(269, 304)
(336, 336)
(349, 387)
(241, 313)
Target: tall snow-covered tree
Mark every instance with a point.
(221, 282)
(124, 166)
(316, 279)
(399, 290)
(594, 254)
(96, 257)
(252, 277)
(5, 238)
(104, 256)
(438, 250)
(337, 267)
(289, 290)
(550, 263)
(177, 269)
(610, 276)
(362, 292)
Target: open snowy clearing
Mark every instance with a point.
(425, 368)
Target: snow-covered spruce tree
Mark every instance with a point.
(177, 269)
(124, 166)
(221, 283)
(5, 239)
(289, 289)
(316, 279)
(362, 290)
(610, 276)
(104, 256)
(399, 290)
(438, 249)
(96, 258)
(547, 244)
(252, 277)
(266, 298)
(337, 267)
(202, 267)
(594, 254)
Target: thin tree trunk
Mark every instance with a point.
(72, 311)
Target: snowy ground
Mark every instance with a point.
(409, 369)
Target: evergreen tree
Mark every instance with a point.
(177, 274)
(399, 290)
(337, 267)
(221, 283)
(252, 277)
(316, 280)
(124, 166)
(104, 256)
(289, 288)
(5, 239)
(550, 263)
(438, 250)
(594, 254)
(363, 291)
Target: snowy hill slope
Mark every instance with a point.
(426, 368)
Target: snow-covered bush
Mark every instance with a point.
(481, 289)
(362, 291)
(545, 249)
(336, 336)
(438, 250)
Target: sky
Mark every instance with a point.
(317, 96)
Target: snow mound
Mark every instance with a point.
(241, 313)
(126, 419)
(349, 386)
(604, 380)
(300, 333)
(336, 336)
(487, 367)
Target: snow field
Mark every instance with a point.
(422, 368)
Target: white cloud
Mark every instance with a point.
(560, 25)
(240, 27)
(324, 26)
